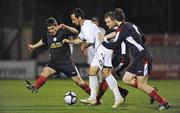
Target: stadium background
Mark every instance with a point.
(22, 22)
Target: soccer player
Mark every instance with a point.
(102, 58)
(121, 59)
(142, 63)
(59, 56)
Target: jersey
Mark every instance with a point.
(89, 33)
(58, 52)
(131, 35)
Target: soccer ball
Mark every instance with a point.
(70, 98)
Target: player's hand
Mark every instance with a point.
(60, 26)
(101, 37)
(84, 46)
(31, 47)
(65, 41)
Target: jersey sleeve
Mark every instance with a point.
(87, 34)
(113, 45)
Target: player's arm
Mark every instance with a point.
(110, 35)
(71, 29)
(32, 47)
(108, 45)
(85, 45)
(73, 41)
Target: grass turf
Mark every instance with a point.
(15, 98)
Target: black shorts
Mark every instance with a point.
(69, 70)
(142, 64)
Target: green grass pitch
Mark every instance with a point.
(15, 98)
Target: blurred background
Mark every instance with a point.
(22, 22)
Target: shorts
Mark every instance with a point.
(102, 58)
(142, 64)
(70, 70)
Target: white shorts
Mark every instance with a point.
(102, 57)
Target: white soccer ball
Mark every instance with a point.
(70, 98)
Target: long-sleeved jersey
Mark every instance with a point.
(131, 36)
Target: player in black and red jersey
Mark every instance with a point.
(137, 73)
(120, 60)
(59, 56)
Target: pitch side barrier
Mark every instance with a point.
(17, 69)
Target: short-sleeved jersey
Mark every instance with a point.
(131, 36)
(89, 33)
(58, 53)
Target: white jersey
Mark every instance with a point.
(89, 33)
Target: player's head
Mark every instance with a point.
(109, 20)
(95, 20)
(77, 15)
(119, 14)
(51, 25)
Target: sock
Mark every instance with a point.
(85, 87)
(40, 81)
(157, 97)
(112, 83)
(102, 89)
(93, 83)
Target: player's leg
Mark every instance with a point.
(78, 80)
(142, 84)
(113, 85)
(130, 79)
(71, 71)
(93, 83)
(120, 62)
(40, 81)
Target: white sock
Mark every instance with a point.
(93, 84)
(112, 83)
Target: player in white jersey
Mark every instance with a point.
(101, 61)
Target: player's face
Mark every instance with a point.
(110, 23)
(52, 30)
(75, 20)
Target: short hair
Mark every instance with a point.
(119, 14)
(51, 22)
(110, 15)
(78, 13)
(95, 19)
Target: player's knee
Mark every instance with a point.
(93, 71)
(106, 72)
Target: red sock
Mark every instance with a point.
(40, 81)
(157, 97)
(86, 88)
(135, 83)
(102, 89)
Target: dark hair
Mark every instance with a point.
(119, 14)
(110, 15)
(78, 13)
(95, 19)
(51, 22)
